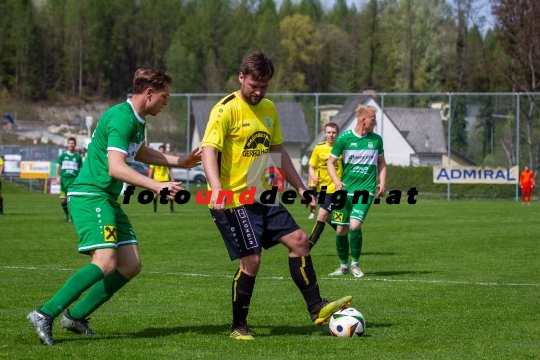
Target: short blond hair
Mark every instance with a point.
(365, 109)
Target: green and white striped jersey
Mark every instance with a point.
(119, 129)
(359, 156)
(70, 164)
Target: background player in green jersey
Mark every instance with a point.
(363, 157)
(104, 230)
(242, 127)
(67, 168)
(318, 173)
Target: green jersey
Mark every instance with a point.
(70, 164)
(359, 156)
(119, 129)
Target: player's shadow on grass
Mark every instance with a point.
(363, 254)
(166, 331)
(394, 273)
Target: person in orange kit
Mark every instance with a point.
(526, 183)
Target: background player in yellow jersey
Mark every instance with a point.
(161, 174)
(318, 173)
(244, 126)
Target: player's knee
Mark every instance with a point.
(355, 226)
(130, 270)
(250, 264)
(342, 230)
(107, 268)
(302, 243)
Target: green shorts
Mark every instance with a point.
(64, 185)
(100, 223)
(351, 211)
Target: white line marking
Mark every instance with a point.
(287, 278)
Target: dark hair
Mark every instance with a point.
(161, 147)
(146, 77)
(258, 65)
(332, 125)
(72, 139)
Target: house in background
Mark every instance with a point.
(411, 136)
(291, 119)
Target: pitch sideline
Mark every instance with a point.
(450, 282)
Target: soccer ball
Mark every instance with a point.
(348, 322)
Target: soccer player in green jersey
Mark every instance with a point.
(105, 232)
(68, 166)
(244, 126)
(363, 157)
(318, 173)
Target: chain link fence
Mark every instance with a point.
(419, 129)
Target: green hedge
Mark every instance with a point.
(405, 177)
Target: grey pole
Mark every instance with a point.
(382, 118)
(517, 141)
(449, 139)
(188, 137)
(316, 115)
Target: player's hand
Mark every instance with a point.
(193, 159)
(315, 181)
(58, 181)
(313, 202)
(340, 185)
(172, 186)
(382, 190)
(214, 203)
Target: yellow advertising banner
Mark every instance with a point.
(35, 169)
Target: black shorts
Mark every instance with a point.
(248, 229)
(327, 205)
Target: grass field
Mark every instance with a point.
(444, 280)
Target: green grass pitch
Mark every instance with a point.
(444, 280)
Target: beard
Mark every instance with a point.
(250, 99)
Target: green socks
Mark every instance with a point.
(356, 245)
(342, 245)
(72, 289)
(98, 295)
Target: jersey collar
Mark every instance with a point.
(141, 120)
(358, 136)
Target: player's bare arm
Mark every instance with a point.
(381, 167)
(290, 172)
(211, 169)
(331, 167)
(148, 155)
(58, 179)
(118, 169)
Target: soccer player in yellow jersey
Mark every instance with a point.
(242, 127)
(318, 173)
(161, 174)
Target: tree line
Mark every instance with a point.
(92, 47)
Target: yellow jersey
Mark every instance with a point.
(318, 160)
(241, 133)
(160, 173)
